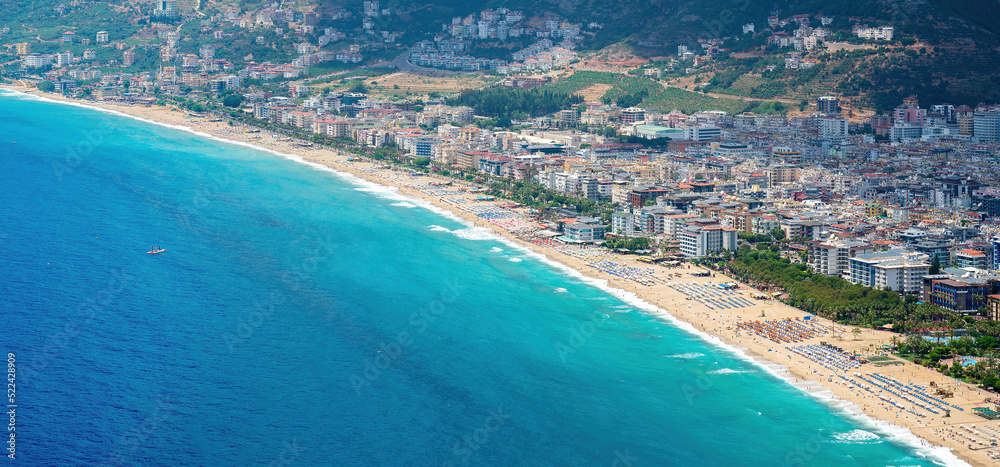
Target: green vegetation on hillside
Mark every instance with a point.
(29, 20)
(628, 91)
(581, 80)
(875, 77)
(514, 103)
(945, 50)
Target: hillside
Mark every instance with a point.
(942, 50)
(876, 77)
(656, 27)
(950, 54)
(629, 90)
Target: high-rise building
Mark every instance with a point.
(37, 60)
(832, 127)
(832, 257)
(828, 105)
(909, 112)
(699, 240)
(64, 59)
(964, 118)
(423, 147)
(995, 243)
(955, 295)
(986, 125)
(633, 114)
(900, 271)
(165, 8)
(783, 173)
(702, 133)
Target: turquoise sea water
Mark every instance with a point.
(299, 317)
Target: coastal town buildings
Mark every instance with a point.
(895, 270)
(832, 257)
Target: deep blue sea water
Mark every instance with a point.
(302, 318)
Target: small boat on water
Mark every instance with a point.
(155, 250)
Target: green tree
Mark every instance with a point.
(233, 100)
(46, 86)
(358, 86)
(956, 369)
(935, 266)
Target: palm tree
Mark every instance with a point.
(914, 343)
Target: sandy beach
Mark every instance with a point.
(886, 389)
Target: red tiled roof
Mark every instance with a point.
(972, 252)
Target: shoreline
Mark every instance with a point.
(928, 436)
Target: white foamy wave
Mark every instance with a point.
(728, 371)
(378, 189)
(857, 436)
(561, 290)
(383, 192)
(496, 249)
(515, 260)
(30, 97)
(405, 204)
(471, 233)
(686, 356)
(887, 430)
(475, 233)
(900, 435)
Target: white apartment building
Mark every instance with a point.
(897, 270)
(698, 241)
(832, 127)
(883, 33)
(832, 258)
